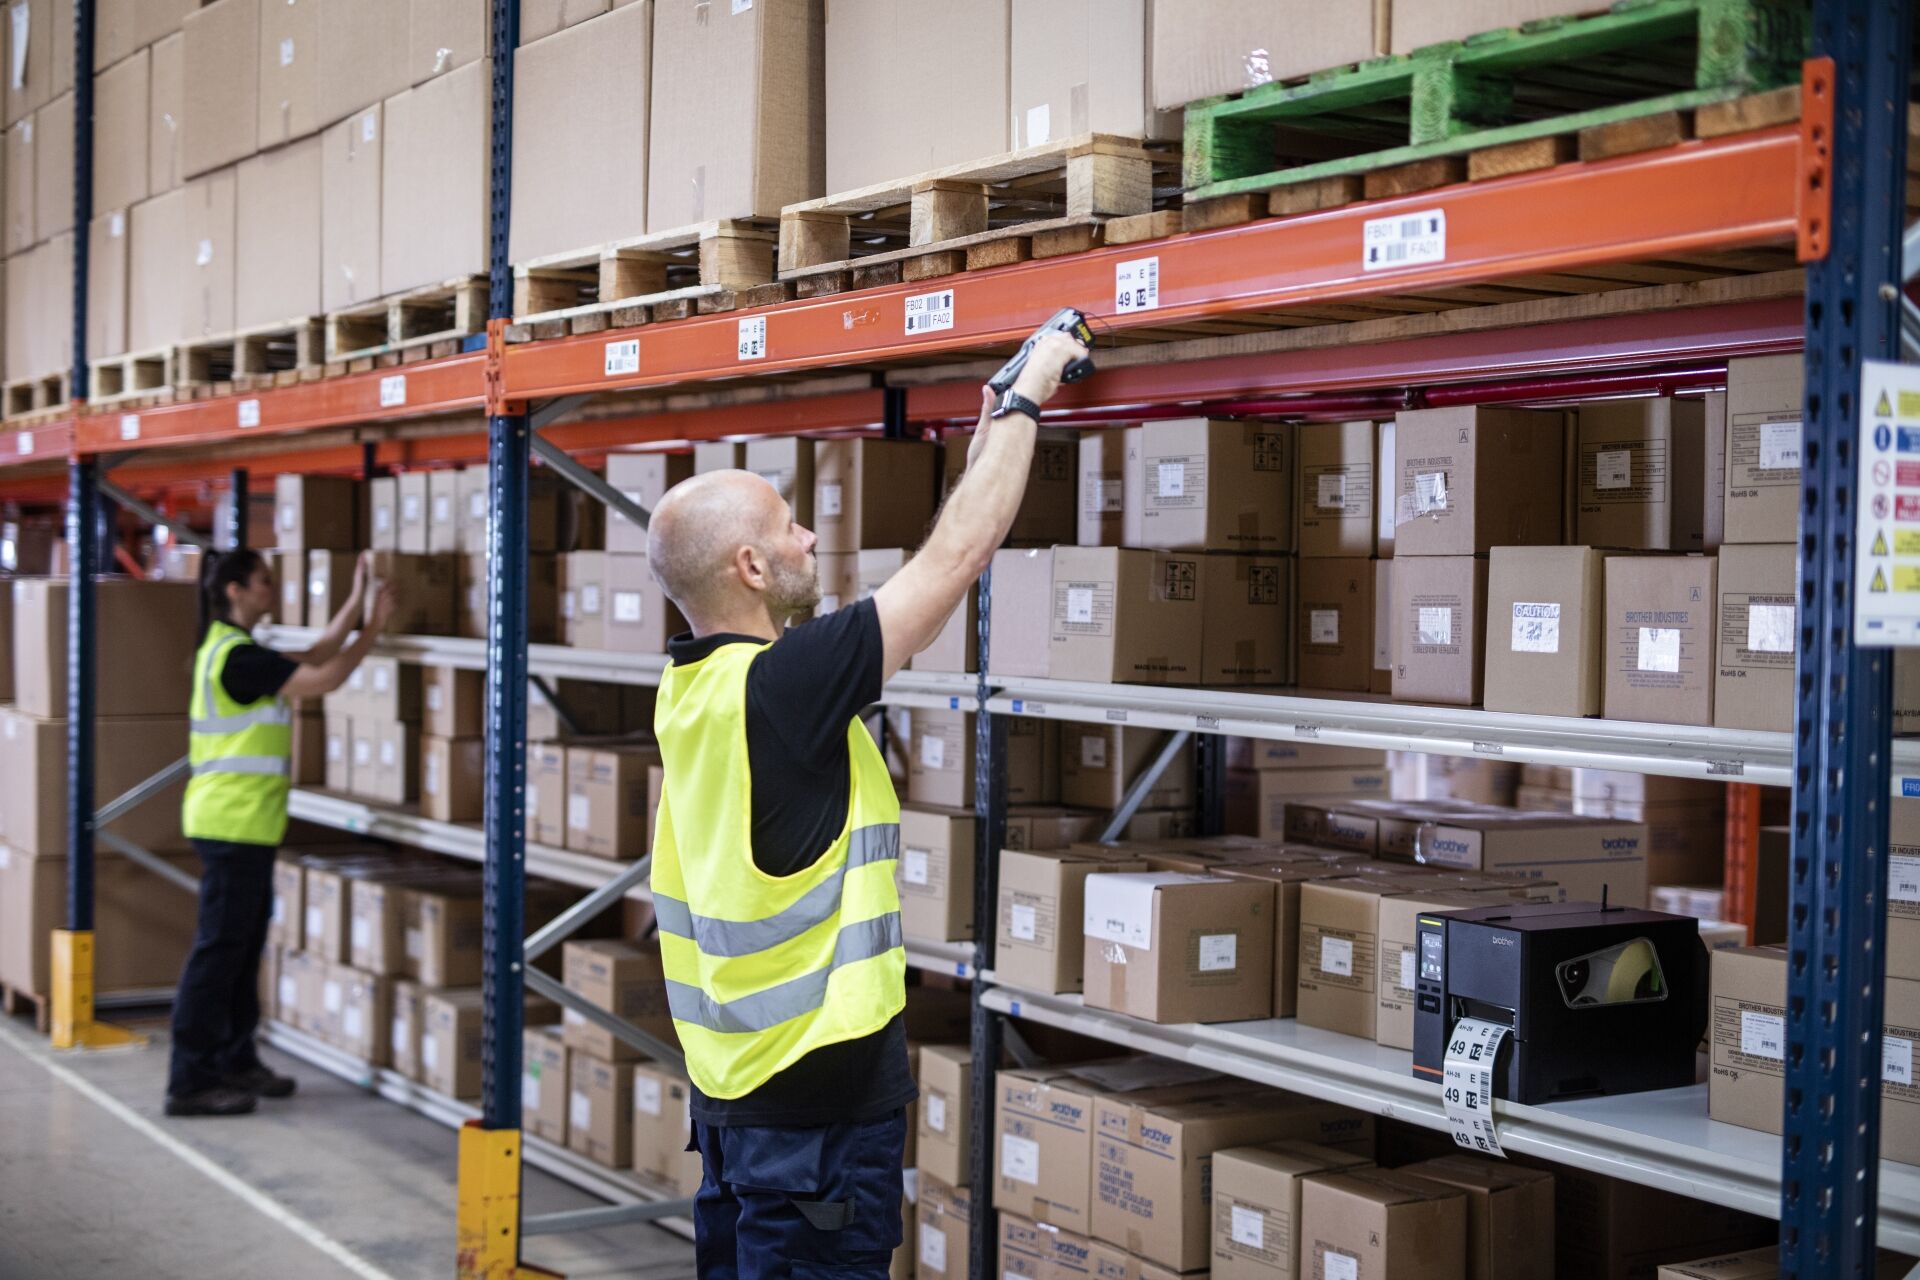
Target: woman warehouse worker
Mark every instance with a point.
(236, 813)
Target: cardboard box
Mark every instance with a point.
(1903, 888)
(543, 600)
(942, 764)
(450, 1042)
(1448, 460)
(383, 513)
(1244, 638)
(107, 250)
(1169, 947)
(142, 655)
(1022, 630)
(339, 753)
(1125, 616)
(289, 72)
(1080, 68)
(1544, 606)
(443, 512)
(1040, 941)
(719, 455)
(453, 701)
(366, 1015)
(881, 127)
(1642, 475)
(544, 1084)
(623, 979)
(1050, 827)
(1748, 1036)
(581, 92)
(541, 18)
(1581, 856)
(1758, 636)
(404, 1028)
(1336, 495)
(434, 180)
(1764, 1264)
(872, 493)
(1101, 471)
(1660, 639)
(1765, 405)
(1030, 1250)
(1333, 624)
(1256, 1206)
(1375, 1222)
(759, 146)
(1416, 25)
(315, 512)
(600, 1110)
(1393, 1025)
(363, 54)
(209, 249)
(53, 167)
(443, 931)
(1340, 953)
(547, 793)
(329, 583)
(1626, 1229)
(121, 26)
(935, 874)
(452, 779)
(1154, 1162)
(388, 747)
(583, 582)
(1230, 46)
(470, 497)
(1258, 803)
(1510, 1227)
(122, 96)
(662, 1123)
(945, 1145)
(1046, 509)
(1099, 762)
(1439, 645)
(640, 618)
(940, 1232)
(21, 163)
(286, 927)
(645, 478)
(166, 162)
(427, 587)
(607, 800)
(222, 78)
(144, 933)
(156, 269)
(127, 751)
(445, 35)
(392, 689)
(1197, 485)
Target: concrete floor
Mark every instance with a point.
(331, 1184)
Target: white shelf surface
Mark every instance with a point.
(569, 1166)
(1660, 1139)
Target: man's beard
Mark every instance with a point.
(795, 589)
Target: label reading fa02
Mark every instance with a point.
(1136, 285)
(623, 357)
(929, 312)
(753, 338)
(1404, 240)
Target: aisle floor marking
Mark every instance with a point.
(193, 1159)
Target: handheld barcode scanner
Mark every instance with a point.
(1600, 999)
(1066, 320)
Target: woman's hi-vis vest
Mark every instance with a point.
(241, 753)
(762, 970)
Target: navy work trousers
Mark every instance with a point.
(216, 1011)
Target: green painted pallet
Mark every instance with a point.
(1555, 76)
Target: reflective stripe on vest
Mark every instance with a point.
(764, 1010)
(271, 766)
(240, 753)
(819, 904)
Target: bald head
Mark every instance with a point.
(717, 544)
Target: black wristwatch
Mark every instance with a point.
(1012, 401)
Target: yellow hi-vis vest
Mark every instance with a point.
(762, 970)
(241, 753)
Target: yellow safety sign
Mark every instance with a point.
(1879, 580)
(1880, 543)
(1885, 408)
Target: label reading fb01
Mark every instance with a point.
(1404, 240)
(393, 390)
(623, 357)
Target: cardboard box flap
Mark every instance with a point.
(1119, 906)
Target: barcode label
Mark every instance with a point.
(393, 390)
(249, 413)
(623, 357)
(129, 426)
(753, 338)
(24, 445)
(928, 312)
(1404, 240)
(1136, 285)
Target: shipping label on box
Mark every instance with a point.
(1660, 639)
(1543, 630)
(1439, 645)
(1765, 406)
(1748, 1034)
(1336, 496)
(1758, 638)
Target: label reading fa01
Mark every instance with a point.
(1404, 240)
(930, 312)
(623, 357)
(1136, 285)
(753, 338)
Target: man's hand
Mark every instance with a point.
(1045, 363)
(384, 604)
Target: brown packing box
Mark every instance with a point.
(452, 779)
(471, 499)
(1758, 633)
(329, 582)
(428, 587)
(1170, 947)
(940, 1233)
(1544, 630)
(363, 54)
(1040, 942)
(1100, 484)
(392, 689)
(1050, 827)
(339, 752)
(412, 538)
(286, 927)
(1395, 941)
(1439, 640)
(1046, 514)
(144, 929)
(786, 463)
(872, 493)
(600, 1110)
(121, 99)
(394, 775)
(1034, 1252)
(365, 1022)
(309, 761)
(542, 18)
(1510, 1225)
(1022, 630)
(53, 167)
(623, 979)
(839, 579)
(383, 513)
(1765, 405)
(1244, 637)
(872, 568)
(1608, 1228)
(583, 604)
(1423, 777)
(719, 455)
(1340, 953)
(21, 164)
(1082, 67)
(1417, 25)
(1748, 1035)
(1286, 880)
(1899, 1094)
(1582, 856)
(1099, 762)
(1276, 753)
(662, 1123)
(1229, 46)
(433, 177)
(1903, 888)
(450, 1038)
(443, 512)
(1210, 486)
(1336, 494)
(607, 799)
(1445, 458)
(203, 306)
(453, 701)
(759, 146)
(581, 92)
(1764, 1264)
(941, 767)
(1257, 803)
(1376, 1222)
(142, 655)
(1333, 638)
(945, 1147)
(547, 793)
(351, 155)
(881, 125)
(1660, 639)
(107, 244)
(289, 72)
(121, 26)
(315, 513)
(221, 121)
(936, 874)
(165, 162)
(544, 1085)
(1256, 1206)
(543, 598)
(1642, 475)
(640, 618)
(127, 751)
(645, 478)
(1122, 616)
(442, 932)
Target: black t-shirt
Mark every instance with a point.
(254, 671)
(802, 694)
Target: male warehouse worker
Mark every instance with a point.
(775, 848)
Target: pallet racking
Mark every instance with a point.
(1637, 272)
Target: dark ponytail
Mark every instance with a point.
(218, 571)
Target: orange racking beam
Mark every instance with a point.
(1696, 197)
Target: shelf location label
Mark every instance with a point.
(24, 443)
(623, 357)
(249, 412)
(393, 390)
(1886, 572)
(753, 338)
(129, 426)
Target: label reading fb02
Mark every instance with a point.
(623, 357)
(928, 312)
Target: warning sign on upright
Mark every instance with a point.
(1886, 576)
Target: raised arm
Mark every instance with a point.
(342, 623)
(317, 679)
(915, 603)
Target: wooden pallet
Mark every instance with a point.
(668, 275)
(133, 376)
(252, 359)
(424, 317)
(33, 398)
(1549, 79)
(1035, 203)
(15, 1002)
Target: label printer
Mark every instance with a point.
(1597, 999)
